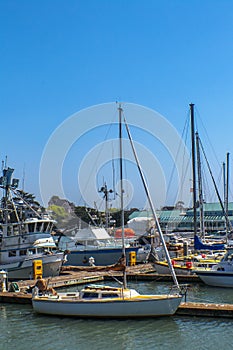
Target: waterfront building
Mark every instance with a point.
(181, 220)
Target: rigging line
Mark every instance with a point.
(152, 206)
(113, 176)
(207, 136)
(97, 158)
(14, 207)
(187, 166)
(230, 191)
(215, 186)
(206, 188)
(125, 170)
(184, 172)
(25, 202)
(220, 178)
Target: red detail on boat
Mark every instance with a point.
(128, 233)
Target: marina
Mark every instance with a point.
(116, 226)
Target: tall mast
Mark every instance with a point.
(121, 196)
(152, 208)
(226, 190)
(194, 169)
(200, 192)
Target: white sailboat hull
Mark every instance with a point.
(163, 269)
(142, 306)
(217, 278)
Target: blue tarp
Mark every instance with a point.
(199, 245)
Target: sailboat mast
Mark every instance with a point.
(194, 169)
(224, 190)
(152, 207)
(121, 195)
(199, 174)
(227, 191)
(217, 192)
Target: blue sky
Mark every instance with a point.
(60, 57)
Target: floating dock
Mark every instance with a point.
(205, 310)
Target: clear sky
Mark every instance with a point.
(60, 57)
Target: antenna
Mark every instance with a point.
(23, 179)
(113, 175)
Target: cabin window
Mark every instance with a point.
(32, 251)
(38, 226)
(16, 230)
(23, 252)
(46, 227)
(109, 295)
(12, 253)
(9, 230)
(31, 227)
(87, 295)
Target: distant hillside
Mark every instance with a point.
(63, 212)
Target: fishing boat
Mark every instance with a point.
(25, 235)
(110, 302)
(93, 244)
(221, 274)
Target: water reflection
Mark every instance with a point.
(21, 327)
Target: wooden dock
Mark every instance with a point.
(205, 310)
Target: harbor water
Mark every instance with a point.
(21, 328)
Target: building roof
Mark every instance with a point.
(212, 211)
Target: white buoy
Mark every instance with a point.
(92, 261)
(3, 281)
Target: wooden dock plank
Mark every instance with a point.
(205, 309)
(15, 297)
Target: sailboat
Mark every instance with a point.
(113, 302)
(194, 263)
(221, 274)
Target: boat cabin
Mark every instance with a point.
(105, 292)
